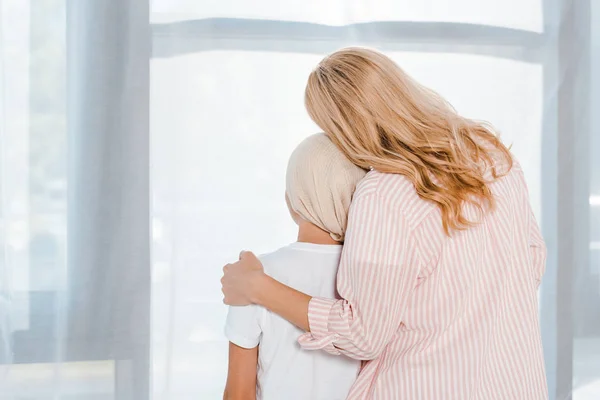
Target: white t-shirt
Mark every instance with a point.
(285, 371)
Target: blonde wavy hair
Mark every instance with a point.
(383, 119)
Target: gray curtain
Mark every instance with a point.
(74, 216)
(143, 144)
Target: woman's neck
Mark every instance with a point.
(309, 233)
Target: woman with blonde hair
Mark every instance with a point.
(442, 256)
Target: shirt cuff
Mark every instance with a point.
(319, 337)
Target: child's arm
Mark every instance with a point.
(241, 375)
(243, 329)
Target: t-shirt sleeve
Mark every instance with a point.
(243, 325)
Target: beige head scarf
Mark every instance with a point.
(320, 183)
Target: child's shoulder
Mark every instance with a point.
(291, 262)
(273, 261)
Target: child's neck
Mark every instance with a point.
(309, 233)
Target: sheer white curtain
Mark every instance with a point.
(143, 144)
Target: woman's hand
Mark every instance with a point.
(241, 280)
(245, 282)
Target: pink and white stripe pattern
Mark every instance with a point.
(438, 317)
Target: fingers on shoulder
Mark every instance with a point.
(247, 255)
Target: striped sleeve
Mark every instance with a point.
(377, 274)
(537, 249)
(318, 319)
(537, 246)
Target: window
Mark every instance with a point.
(227, 109)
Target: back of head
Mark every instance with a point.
(320, 182)
(381, 118)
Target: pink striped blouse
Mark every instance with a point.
(438, 317)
